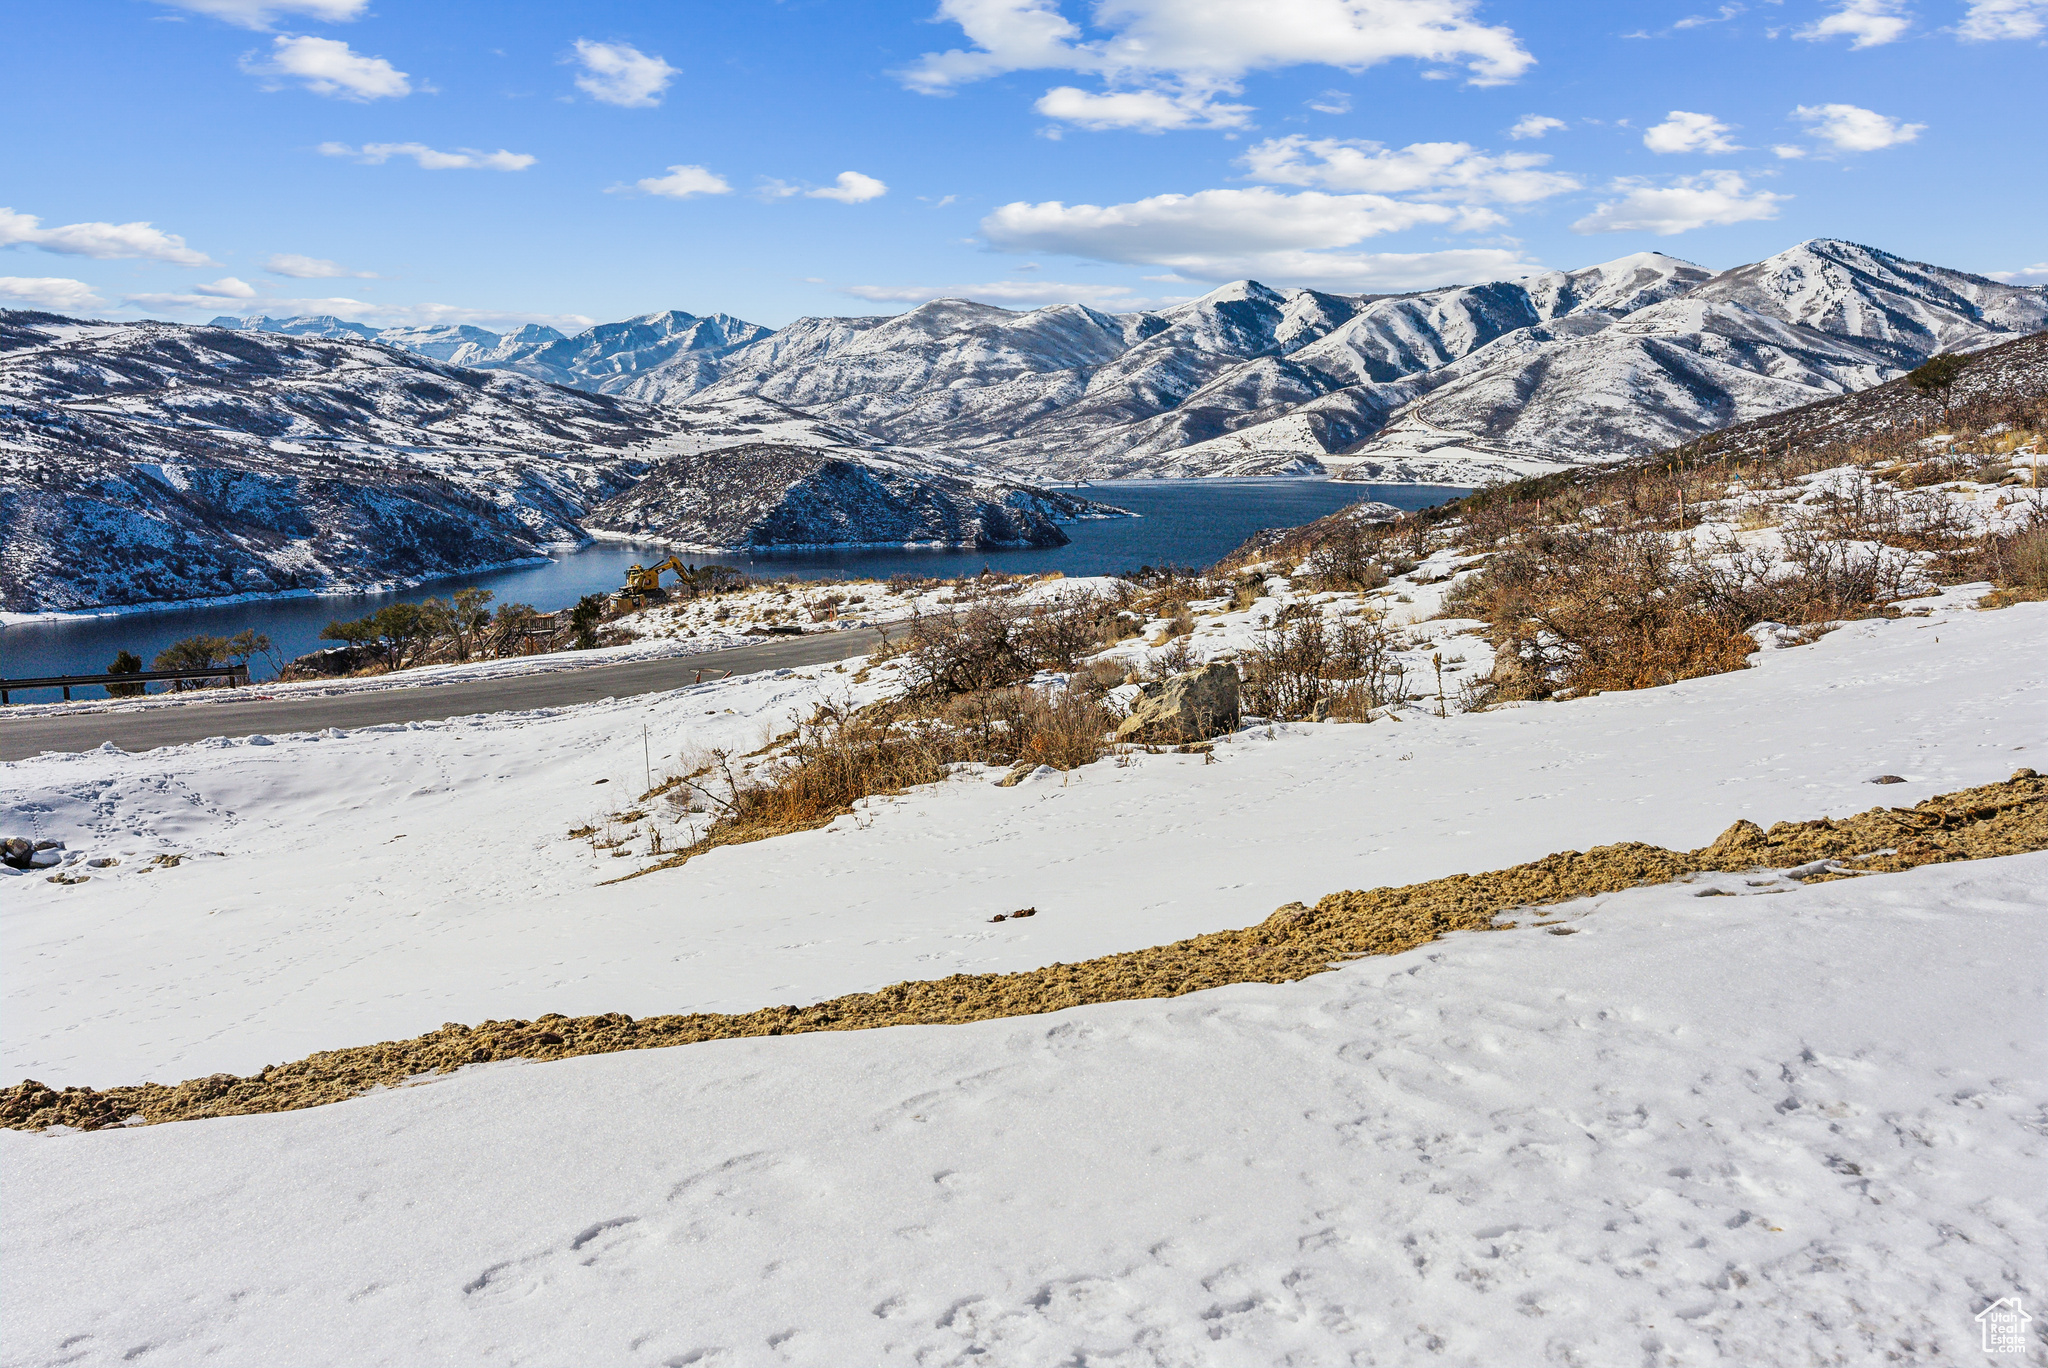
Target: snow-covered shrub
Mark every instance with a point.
(1805, 577)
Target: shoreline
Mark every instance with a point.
(117, 610)
(555, 550)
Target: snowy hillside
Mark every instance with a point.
(1736, 1118)
(1823, 319)
(154, 461)
(2007, 373)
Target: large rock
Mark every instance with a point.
(1187, 707)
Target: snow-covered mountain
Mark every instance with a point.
(1519, 376)
(602, 359)
(1454, 385)
(1070, 391)
(2009, 376)
(1823, 319)
(155, 461)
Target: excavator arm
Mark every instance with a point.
(643, 581)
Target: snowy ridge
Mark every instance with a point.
(603, 359)
(1073, 392)
(2009, 371)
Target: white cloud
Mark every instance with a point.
(1683, 132)
(1726, 12)
(850, 187)
(2037, 274)
(1438, 171)
(54, 293)
(1788, 151)
(227, 287)
(1331, 102)
(620, 74)
(1991, 20)
(328, 66)
(681, 182)
(258, 14)
(1148, 111)
(1226, 234)
(298, 267)
(102, 241)
(1167, 229)
(1007, 292)
(1369, 272)
(1180, 57)
(1717, 197)
(1217, 41)
(430, 159)
(1851, 129)
(1534, 126)
(1866, 23)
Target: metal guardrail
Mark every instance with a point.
(236, 675)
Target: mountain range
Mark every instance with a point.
(154, 461)
(1453, 386)
(146, 462)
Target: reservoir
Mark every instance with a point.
(1181, 522)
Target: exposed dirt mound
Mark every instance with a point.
(1293, 943)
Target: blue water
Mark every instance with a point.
(1183, 522)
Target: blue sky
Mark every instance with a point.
(496, 163)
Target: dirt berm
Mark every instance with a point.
(1296, 941)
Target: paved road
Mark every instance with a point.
(195, 721)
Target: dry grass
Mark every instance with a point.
(1295, 942)
(2017, 565)
(1585, 610)
(843, 755)
(964, 702)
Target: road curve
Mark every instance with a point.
(195, 721)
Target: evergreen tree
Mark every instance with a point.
(126, 662)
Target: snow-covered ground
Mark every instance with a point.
(377, 883)
(1797, 1126)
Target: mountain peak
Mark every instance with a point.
(1235, 292)
(1851, 289)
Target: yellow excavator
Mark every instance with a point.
(643, 584)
